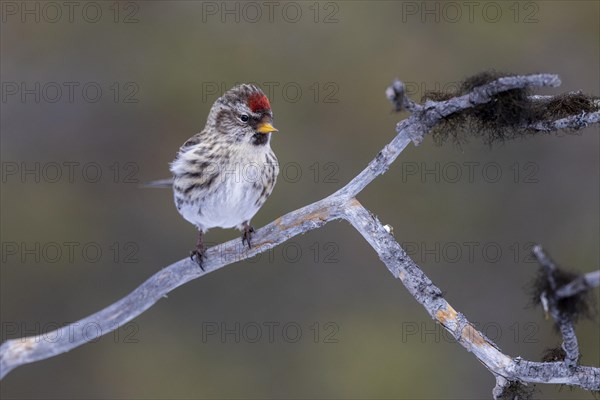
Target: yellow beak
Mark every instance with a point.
(265, 127)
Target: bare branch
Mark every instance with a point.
(16, 352)
(341, 204)
(430, 297)
(549, 300)
(581, 284)
(425, 117)
(574, 122)
(396, 94)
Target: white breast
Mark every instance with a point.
(233, 196)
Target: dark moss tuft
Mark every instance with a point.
(554, 354)
(506, 116)
(564, 105)
(517, 390)
(580, 305)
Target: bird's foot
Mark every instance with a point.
(199, 254)
(247, 236)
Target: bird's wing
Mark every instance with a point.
(168, 183)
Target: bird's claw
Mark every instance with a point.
(247, 236)
(198, 256)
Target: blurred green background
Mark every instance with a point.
(143, 77)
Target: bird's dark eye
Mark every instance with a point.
(244, 118)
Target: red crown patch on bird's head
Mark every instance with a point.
(258, 101)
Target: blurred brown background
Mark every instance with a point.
(110, 91)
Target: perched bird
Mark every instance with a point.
(223, 175)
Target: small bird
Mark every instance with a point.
(223, 175)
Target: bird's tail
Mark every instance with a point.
(159, 184)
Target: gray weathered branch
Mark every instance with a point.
(549, 301)
(574, 122)
(430, 297)
(340, 205)
(581, 284)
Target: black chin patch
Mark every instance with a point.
(260, 139)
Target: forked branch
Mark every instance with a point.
(343, 205)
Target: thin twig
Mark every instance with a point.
(574, 122)
(581, 284)
(550, 300)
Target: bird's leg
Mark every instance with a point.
(199, 254)
(247, 236)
